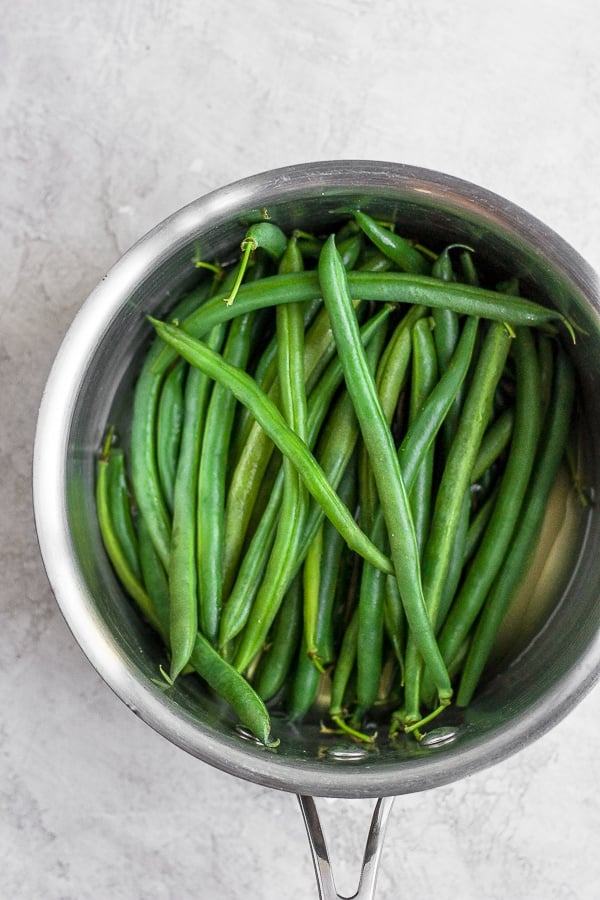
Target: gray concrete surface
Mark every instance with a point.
(112, 116)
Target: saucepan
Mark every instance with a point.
(558, 655)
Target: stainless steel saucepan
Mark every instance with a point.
(91, 381)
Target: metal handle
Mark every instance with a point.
(320, 856)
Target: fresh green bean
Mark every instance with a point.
(455, 568)
(399, 250)
(369, 652)
(154, 577)
(311, 585)
(469, 271)
(120, 507)
(279, 571)
(386, 287)
(350, 249)
(420, 435)
(454, 483)
(477, 526)
(551, 449)
(424, 379)
(211, 482)
(394, 620)
(377, 436)
(494, 442)
(367, 487)
(390, 376)
(144, 467)
(227, 683)
(238, 604)
(459, 464)
(311, 662)
(446, 333)
(507, 509)
(426, 425)
(182, 569)
(341, 677)
(277, 659)
(168, 430)
(112, 545)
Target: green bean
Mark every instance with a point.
(238, 604)
(399, 250)
(507, 509)
(377, 436)
(346, 230)
(211, 482)
(551, 449)
(154, 577)
(168, 430)
(455, 568)
(112, 545)
(311, 584)
(388, 382)
(277, 659)
(424, 378)
(469, 271)
(453, 485)
(264, 373)
(119, 500)
(206, 360)
(341, 677)
(307, 677)
(337, 443)
(391, 369)
(494, 442)
(390, 377)
(426, 352)
(386, 287)
(182, 569)
(545, 347)
(389, 374)
(422, 432)
(350, 250)
(459, 464)
(144, 466)
(394, 620)
(478, 525)
(370, 627)
(446, 333)
(373, 260)
(279, 570)
(227, 683)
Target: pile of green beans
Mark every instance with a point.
(340, 457)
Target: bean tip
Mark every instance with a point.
(108, 442)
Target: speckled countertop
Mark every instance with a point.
(114, 115)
